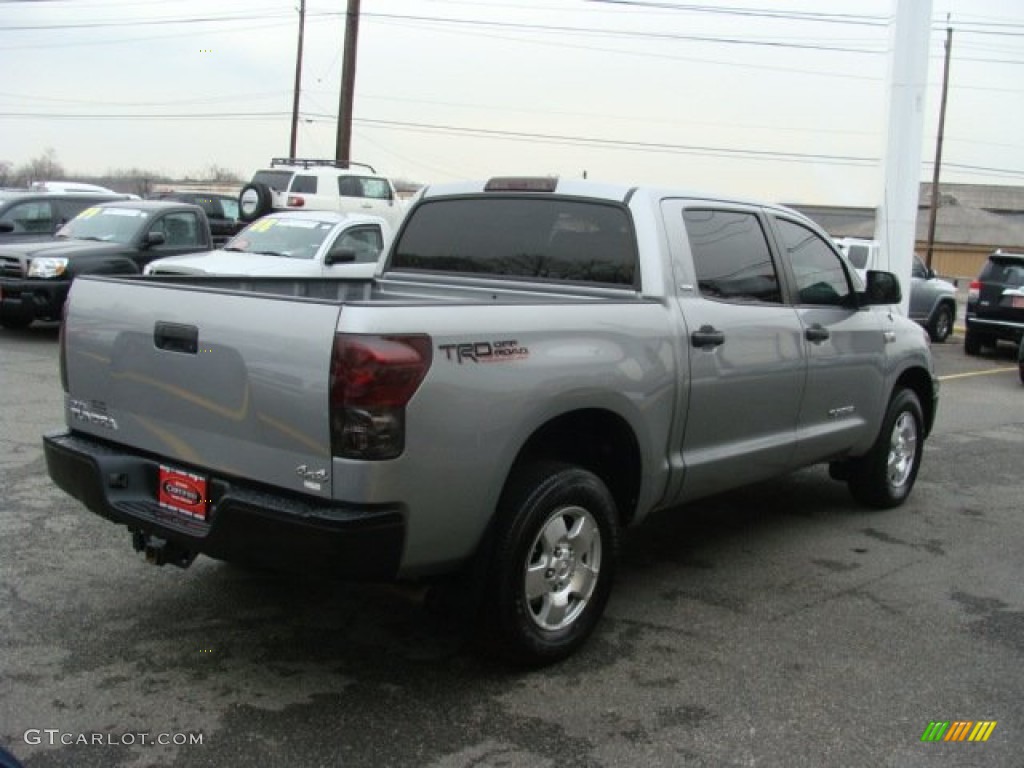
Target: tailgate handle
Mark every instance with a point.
(175, 337)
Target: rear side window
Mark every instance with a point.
(547, 239)
(305, 185)
(364, 186)
(731, 256)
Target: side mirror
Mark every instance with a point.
(155, 238)
(6, 226)
(883, 288)
(339, 256)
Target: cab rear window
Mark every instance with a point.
(538, 238)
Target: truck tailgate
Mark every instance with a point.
(208, 380)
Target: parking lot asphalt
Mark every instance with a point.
(781, 625)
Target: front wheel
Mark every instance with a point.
(885, 475)
(553, 563)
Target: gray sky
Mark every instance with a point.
(783, 100)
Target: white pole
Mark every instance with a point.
(896, 224)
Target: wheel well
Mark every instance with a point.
(918, 380)
(945, 302)
(597, 440)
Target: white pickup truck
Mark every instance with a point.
(294, 244)
(538, 364)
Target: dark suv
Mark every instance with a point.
(27, 215)
(995, 303)
(221, 211)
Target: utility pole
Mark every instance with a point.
(342, 152)
(298, 81)
(934, 211)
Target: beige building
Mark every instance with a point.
(972, 221)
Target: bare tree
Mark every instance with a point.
(44, 167)
(219, 175)
(6, 172)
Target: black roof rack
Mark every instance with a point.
(306, 162)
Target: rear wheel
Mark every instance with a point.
(553, 563)
(885, 475)
(972, 343)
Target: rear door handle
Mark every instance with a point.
(707, 336)
(816, 333)
(175, 337)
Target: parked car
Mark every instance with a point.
(221, 211)
(539, 364)
(995, 303)
(932, 301)
(292, 243)
(37, 215)
(110, 239)
(323, 185)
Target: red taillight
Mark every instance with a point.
(974, 290)
(372, 380)
(294, 201)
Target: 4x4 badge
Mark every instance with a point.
(316, 475)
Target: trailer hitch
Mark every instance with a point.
(159, 551)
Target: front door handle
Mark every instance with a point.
(816, 333)
(707, 336)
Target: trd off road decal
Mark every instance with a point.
(485, 351)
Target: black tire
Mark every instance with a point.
(972, 343)
(552, 564)
(15, 323)
(885, 475)
(255, 200)
(941, 325)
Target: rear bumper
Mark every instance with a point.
(245, 523)
(32, 299)
(1003, 329)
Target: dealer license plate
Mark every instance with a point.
(182, 492)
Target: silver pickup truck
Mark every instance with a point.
(537, 364)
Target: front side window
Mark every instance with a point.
(367, 242)
(180, 229)
(731, 256)
(820, 276)
(539, 238)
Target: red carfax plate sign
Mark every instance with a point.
(180, 491)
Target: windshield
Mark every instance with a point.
(280, 236)
(276, 180)
(111, 225)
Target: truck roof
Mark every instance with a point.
(600, 190)
(149, 205)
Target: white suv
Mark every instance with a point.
(293, 183)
